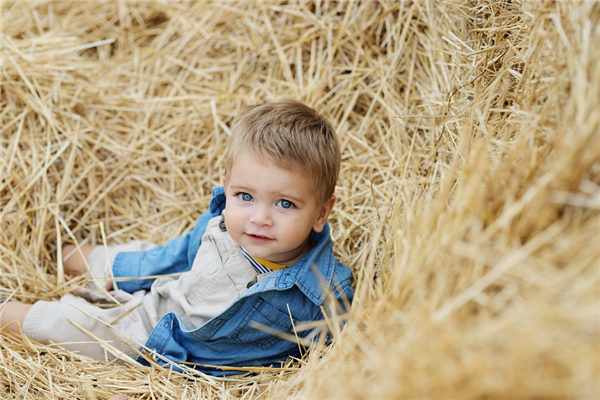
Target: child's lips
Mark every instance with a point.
(258, 238)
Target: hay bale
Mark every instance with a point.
(468, 197)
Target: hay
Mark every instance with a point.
(469, 195)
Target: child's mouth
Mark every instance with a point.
(258, 238)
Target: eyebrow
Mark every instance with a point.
(292, 198)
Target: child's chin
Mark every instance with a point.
(255, 251)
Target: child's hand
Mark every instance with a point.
(74, 260)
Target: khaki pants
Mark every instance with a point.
(94, 323)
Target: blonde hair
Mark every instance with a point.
(291, 135)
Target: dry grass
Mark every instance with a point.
(468, 202)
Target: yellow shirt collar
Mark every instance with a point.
(269, 264)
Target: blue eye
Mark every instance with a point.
(245, 196)
(285, 204)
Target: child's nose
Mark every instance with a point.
(261, 216)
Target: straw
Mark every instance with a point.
(467, 206)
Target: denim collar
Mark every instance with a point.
(217, 203)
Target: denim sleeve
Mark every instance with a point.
(176, 256)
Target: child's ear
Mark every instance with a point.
(324, 212)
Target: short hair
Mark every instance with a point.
(291, 135)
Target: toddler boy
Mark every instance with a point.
(260, 259)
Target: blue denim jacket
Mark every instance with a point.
(233, 337)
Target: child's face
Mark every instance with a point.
(270, 210)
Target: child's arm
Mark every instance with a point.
(136, 259)
(176, 256)
(161, 260)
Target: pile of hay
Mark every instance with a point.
(468, 202)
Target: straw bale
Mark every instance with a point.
(468, 201)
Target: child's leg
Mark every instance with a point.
(80, 326)
(12, 315)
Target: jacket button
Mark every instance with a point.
(251, 283)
